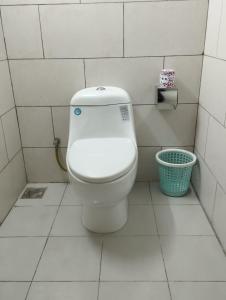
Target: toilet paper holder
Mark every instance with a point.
(166, 98)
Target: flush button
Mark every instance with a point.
(77, 111)
(101, 88)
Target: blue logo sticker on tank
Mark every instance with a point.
(77, 111)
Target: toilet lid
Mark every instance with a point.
(101, 159)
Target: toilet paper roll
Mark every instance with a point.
(167, 78)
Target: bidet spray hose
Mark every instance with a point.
(56, 143)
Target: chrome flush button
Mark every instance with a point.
(101, 88)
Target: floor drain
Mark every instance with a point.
(34, 193)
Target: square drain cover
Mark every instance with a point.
(34, 193)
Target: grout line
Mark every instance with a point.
(214, 203)
(101, 256)
(47, 239)
(155, 218)
(196, 124)
(80, 2)
(133, 104)
(100, 236)
(54, 134)
(104, 57)
(11, 160)
(84, 70)
(214, 57)
(6, 112)
(211, 115)
(139, 146)
(41, 33)
(84, 3)
(219, 29)
(4, 142)
(123, 29)
(207, 134)
(200, 83)
(115, 281)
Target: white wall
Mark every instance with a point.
(55, 50)
(209, 177)
(12, 172)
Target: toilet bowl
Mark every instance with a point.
(102, 156)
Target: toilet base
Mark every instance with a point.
(105, 219)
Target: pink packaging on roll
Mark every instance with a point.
(167, 78)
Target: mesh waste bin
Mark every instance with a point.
(175, 168)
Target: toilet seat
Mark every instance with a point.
(100, 160)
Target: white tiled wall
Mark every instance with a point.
(12, 171)
(56, 50)
(209, 177)
(165, 28)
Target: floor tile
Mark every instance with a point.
(52, 196)
(69, 223)
(140, 194)
(193, 258)
(29, 221)
(198, 290)
(159, 198)
(134, 291)
(141, 221)
(13, 290)
(182, 220)
(19, 257)
(132, 259)
(63, 291)
(68, 259)
(69, 197)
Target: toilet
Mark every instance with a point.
(102, 155)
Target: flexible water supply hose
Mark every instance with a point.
(56, 143)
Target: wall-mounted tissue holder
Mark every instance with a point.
(166, 98)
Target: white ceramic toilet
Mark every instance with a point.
(102, 155)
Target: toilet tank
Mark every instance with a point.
(101, 112)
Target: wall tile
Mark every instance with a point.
(46, 82)
(222, 34)
(2, 45)
(22, 31)
(35, 126)
(11, 131)
(219, 220)
(61, 124)
(165, 128)
(3, 153)
(12, 181)
(188, 76)
(150, 31)
(212, 94)
(201, 130)
(213, 24)
(147, 166)
(139, 76)
(6, 94)
(41, 165)
(216, 150)
(205, 185)
(83, 30)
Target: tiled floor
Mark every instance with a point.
(166, 251)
